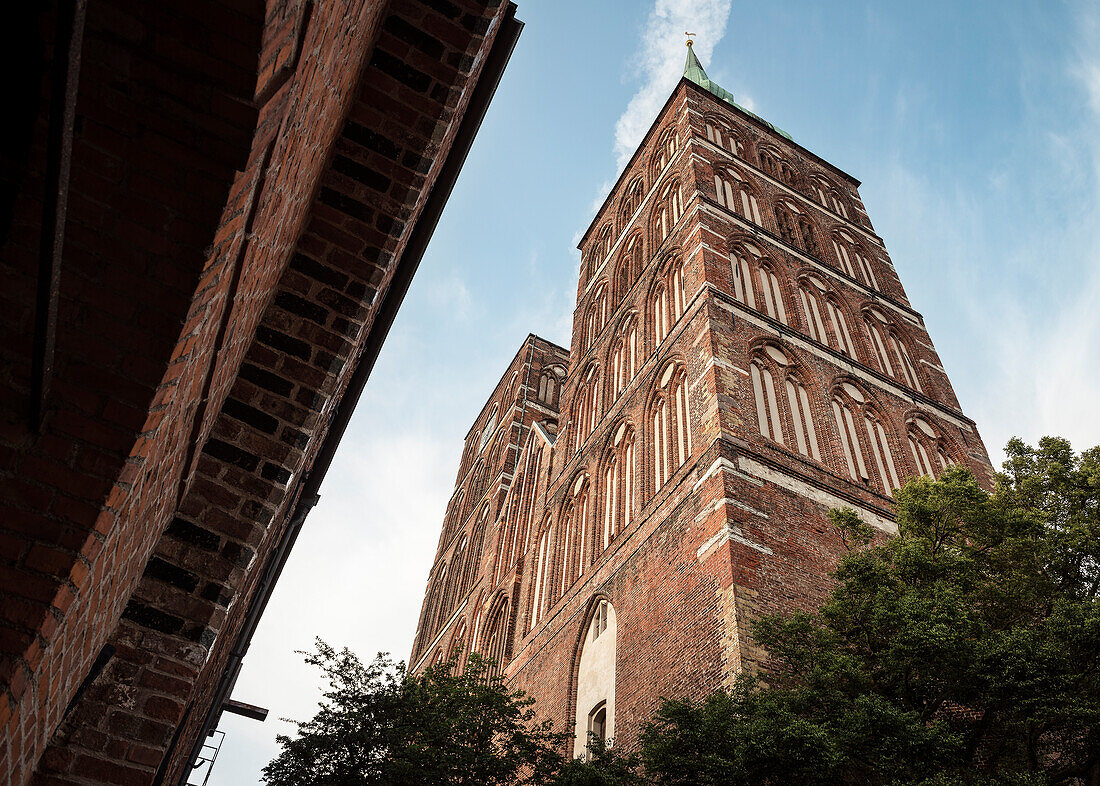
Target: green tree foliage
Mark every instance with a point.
(378, 725)
(601, 766)
(966, 650)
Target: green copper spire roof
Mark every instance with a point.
(693, 72)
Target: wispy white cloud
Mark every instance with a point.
(660, 60)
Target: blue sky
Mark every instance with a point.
(975, 129)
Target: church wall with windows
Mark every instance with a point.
(743, 359)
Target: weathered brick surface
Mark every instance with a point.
(740, 527)
(190, 400)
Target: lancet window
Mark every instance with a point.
(495, 649)
(575, 535)
(666, 149)
(540, 597)
(550, 387)
(667, 302)
(669, 210)
(823, 316)
(618, 486)
(890, 351)
(670, 424)
(597, 316)
(721, 135)
(586, 411)
(782, 405)
(929, 456)
(734, 192)
(829, 196)
(624, 357)
(632, 200)
(796, 228)
(852, 259)
(862, 435)
(630, 266)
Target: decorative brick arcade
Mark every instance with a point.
(743, 359)
(211, 212)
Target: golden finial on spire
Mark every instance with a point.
(689, 35)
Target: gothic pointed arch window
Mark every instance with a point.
(666, 149)
(458, 646)
(597, 315)
(735, 193)
(783, 411)
(595, 709)
(632, 200)
(930, 456)
(618, 487)
(828, 194)
(549, 391)
(774, 302)
(496, 647)
(624, 356)
(852, 259)
(796, 228)
(473, 553)
(586, 410)
(489, 429)
(668, 301)
(744, 260)
(605, 240)
(434, 608)
(544, 572)
(719, 133)
(670, 424)
(864, 439)
(670, 207)
(575, 536)
(890, 350)
(823, 316)
(630, 266)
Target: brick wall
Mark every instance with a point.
(263, 169)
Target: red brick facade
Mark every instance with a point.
(743, 359)
(251, 186)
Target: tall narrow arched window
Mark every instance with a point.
(632, 200)
(458, 646)
(773, 294)
(671, 424)
(597, 315)
(783, 411)
(880, 449)
(496, 649)
(852, 259)
(630, 266)
(595, 694)
(454, 584)
(720, 134)
(744, 261)
(666, 149)
(823, 317)
(769, 162)
(929, 456)
(604, 243)
(860, 440)
(844, 401)
(890, 352)
(540, 596)
(829, 196)
(586, 410)
(624, 357)
(575, 536)
(676, 301)
(734, 192)
(669, 210)
(550, 387)
(618, 487)
(659, 309)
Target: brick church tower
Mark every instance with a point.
(743, 359)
